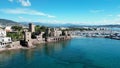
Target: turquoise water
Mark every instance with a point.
(74, 53)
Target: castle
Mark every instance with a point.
(32, 37)
(50, 36)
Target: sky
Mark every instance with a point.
(84, 12)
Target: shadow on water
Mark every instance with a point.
(29, 55)
(51, 48)
(67, 58)
(6, 56)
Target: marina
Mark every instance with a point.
(112, 34)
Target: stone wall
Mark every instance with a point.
(60, 38)
(36, 41)
(15, 44)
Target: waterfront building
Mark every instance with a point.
(4, 41)
(31, 27)
(27, 36)
(27, 40)
(40, 36)
(56, 32)
(66, 33)
(2, 33)
(48, 31)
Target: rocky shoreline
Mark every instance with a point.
(34, 42)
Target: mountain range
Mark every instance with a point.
(6, 22)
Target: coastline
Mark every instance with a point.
(34, 42)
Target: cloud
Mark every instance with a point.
(113, 21)
(51, 21)
(26, 11)
(101, 22)
(22, 19)
(110, 15)
(60, 22)
(96, 11)
(118, 15)
(10, 0)
(25, 3)
(50, 16)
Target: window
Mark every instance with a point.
(9, 40)
(2, 40)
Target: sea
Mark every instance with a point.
(74, 53)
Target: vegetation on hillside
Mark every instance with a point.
(5, 22)
(80, 29)
(17, 35)
(17, 28)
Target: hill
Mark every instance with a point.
(5, 22)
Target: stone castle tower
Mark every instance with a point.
(27, 36)
(31, 27)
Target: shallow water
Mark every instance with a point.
(74, 53)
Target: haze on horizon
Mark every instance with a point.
(85, 12)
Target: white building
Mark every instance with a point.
(40, 37)
(2, 33)
(57, 32)
(63, 28)
(4, 41)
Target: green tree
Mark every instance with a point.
(17, 28)
(43, 28)
(37, 28)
